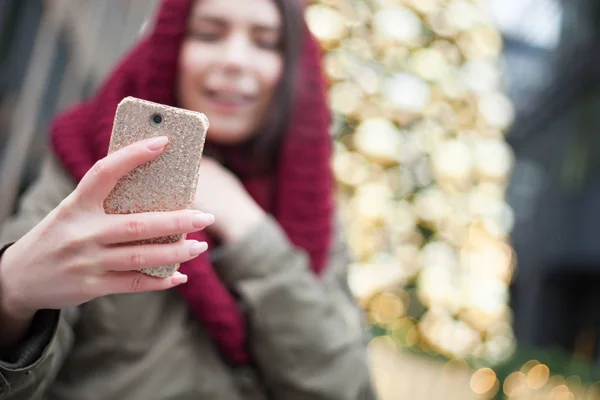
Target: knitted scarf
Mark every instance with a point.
(300, 191)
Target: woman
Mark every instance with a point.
(265, 313)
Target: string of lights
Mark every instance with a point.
(422, 165)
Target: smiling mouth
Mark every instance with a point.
(228, 98)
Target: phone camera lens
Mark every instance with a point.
(157, 119)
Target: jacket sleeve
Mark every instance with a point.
(306, 333)
(27, 370)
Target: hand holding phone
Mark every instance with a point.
(78, 252)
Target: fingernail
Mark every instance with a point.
(201, 220)
(157, 143)
(198, 247)
(178, 278)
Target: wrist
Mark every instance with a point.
(14, 321)
(10, 305)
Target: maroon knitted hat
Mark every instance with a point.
(302, 187)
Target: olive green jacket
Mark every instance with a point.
(306, 334)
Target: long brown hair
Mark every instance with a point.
(263, 147)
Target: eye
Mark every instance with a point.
(207, 29)
(268, 44)
(267, 39)
(206, 36)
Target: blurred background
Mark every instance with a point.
(467, 166)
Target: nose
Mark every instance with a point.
(237, 52)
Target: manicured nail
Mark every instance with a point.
(178, 278)
(197, 248)
(201, 220)
(157, 143)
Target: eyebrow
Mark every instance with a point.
(222, 22)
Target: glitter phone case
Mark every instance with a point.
(167, 183)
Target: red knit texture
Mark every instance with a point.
(300, 196)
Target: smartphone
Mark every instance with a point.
(167, 183)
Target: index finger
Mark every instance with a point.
(99, 181)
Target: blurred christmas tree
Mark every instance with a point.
(422, 165)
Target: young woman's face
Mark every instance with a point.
(230, 65)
